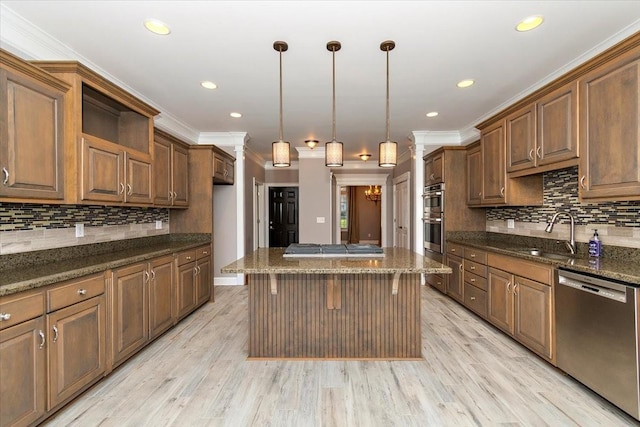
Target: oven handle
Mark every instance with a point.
(432, 220)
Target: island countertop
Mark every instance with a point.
(395, 260)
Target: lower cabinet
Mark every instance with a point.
(162, 310)
(455, 284)
(194, 279)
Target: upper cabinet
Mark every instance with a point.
(110, 149)
(610, 129)
(223, 167)
(543, 135)
(32, 133)
(171, 170)
(433, 167)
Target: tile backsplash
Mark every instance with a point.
(618, 223)
(30, 227)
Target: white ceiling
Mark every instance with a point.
(438, 43)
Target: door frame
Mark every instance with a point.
(258, 213)
(266, 187)
(397, 180)
(359, 180)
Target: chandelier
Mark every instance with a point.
(374, 193)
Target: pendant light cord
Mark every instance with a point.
(388, 135)
(333, 54)
(280, 51)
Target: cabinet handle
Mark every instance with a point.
(473, 298)
(531, 154)
(501, 191)
(460, 267)
(5, 316)
(515, 288)
(82, 291)
(175, 195)
(121, 188)
(439, 283)
(42, 339)
(539, 152)
(432, 177)
(480, 194)
(205, 252)
(472, 280)
(582, 179)
(153, 275)
(55, 333)
(146, 276)
(6, 176)
(473, 267)
(129, 189)
(473, 255)
(188, 258)
(508, 287)
(170, 195)
(453, 249)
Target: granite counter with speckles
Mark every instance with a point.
(21, 272)
(395, 260)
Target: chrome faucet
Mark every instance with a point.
(571, 244)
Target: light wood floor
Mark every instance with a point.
(472, 375)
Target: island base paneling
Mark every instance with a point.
(334, 316)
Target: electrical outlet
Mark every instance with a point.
(159, 224)
(79, 230)
(320, 220)
(511, 223)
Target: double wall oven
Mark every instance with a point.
(433, 218)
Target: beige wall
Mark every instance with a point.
(252, 170)
(314, 201)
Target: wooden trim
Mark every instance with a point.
(32, 71)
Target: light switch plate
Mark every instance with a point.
(511, 223)
(79, 230)
(320, 220)
(159, 224)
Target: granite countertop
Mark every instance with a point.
(21, 272)
(618, 263)
(395, 260)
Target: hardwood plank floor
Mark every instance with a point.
(472, 375)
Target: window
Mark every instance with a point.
(344, 207)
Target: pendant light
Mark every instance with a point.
(388, 150)
(280, 149)
(333, 149)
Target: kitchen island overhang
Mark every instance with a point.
(335, 308)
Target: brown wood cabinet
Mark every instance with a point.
(129, 311)
(32, 133)
(223, 168)
(493, 165)
(433, 169)
(171, 170)
(455, 281)
(475, 280)
(194, 279)
(610, 129)
(110, 147)
(204, 284)
(162, 306)
(23, 359)
(474, 175)
(521, 138)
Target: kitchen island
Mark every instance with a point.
(334, 308)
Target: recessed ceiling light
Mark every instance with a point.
(157, 27)
(466, 83)
(235, 115)
(432, 114)
(529, 23)
(208, 85)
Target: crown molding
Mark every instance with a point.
(361, 179)
(308, 153)
(223, 139)
(175, 127)
(295, 165)
(256, 158)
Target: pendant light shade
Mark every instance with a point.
(388, 150)
(280, 149)
(333, 149)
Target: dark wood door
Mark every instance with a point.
(283, 216)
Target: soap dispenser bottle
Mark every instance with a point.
(595, 245)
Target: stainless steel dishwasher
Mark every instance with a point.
(597, 336)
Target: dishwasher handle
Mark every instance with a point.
(615, 294)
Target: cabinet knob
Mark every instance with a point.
(473, 267)
(82, 291)
(473, 298)
(5, 316)
(6, 176)
(205, 253)
(453, 249)
(188, 258)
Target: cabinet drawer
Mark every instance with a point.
(75, 291)
(454, 249)
(186, 257)
(203, 252)
(475, 268)
(475, 255)
(475, 299)
(435, 281)
(475, 280)
(539, 272)
(20, 308)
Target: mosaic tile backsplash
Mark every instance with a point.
(30, 227)
(618, 223)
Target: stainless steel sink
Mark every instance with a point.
(542, 254)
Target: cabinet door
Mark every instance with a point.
(229, 171)
(521, 139)
(129, 311)
(218, 167)
(532, 325)
(186, 292)
(23, 373)
(203, 280)
(493, 165)
(31, 139)
(102, 171)
(455, 287)
(76, 348)
(138, 181)
(180, 175)
(500, 309)
(610, 130)
(474, 176)
(162, 172)
(557, 136)
(161, 300)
